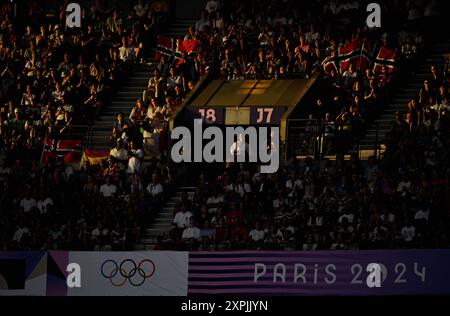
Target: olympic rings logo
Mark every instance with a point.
(136, 274)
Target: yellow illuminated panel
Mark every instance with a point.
(244, 116)
(258, 91)
(237, 116)
(248, 84)
(243, 91)
(231, 116)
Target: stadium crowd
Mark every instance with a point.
(53, 80)
(399, 202)
(288, 39)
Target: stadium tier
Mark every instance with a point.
(339, 142)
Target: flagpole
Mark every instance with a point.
(360, 56)
(43, 148)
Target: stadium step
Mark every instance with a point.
(133, 89)
(124, 101)
(162, 223)
(164, 217)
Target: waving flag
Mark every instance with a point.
(358, 53)
(330, 63)
(69, 150)
(171, 47)
(385, 57)
(367, 55)
(349, 54)
(94, 157)
(188, 46)
(165, 46)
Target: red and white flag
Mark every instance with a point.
(170, 47)
(349, 54)
(330, 63)
(70, 150)
(359, 53)
(188, 46)
(165, 46)
(385, 57)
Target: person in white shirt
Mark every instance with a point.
(99, 231)
(279, 201)
(126, 52)
(28, 203)
(309, 245)
(181, 219)
(348, 215)
(404, 187)
(339, 243)
(44, 203)
(108, 189)
(55, 232)
(312, 35)
(285, 226)
(242, 188)
(135, 162)
(18, 234)
(214, 201)
(265, 36)
(257, 234)
(120, 154)
(155, 189)
(422, 215)
(191, 232)
(408, 233)
(316, 219)
(388, 217)
(239, 147)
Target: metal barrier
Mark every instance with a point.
(319, 139)
(303, 137)
(366, 150)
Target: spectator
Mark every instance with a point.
(257, 235)
(155, 189)
(108, 189)
(182, 217)
(192, 232)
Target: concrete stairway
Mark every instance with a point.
(123, 101)
(126, 97)
(162, 224)
(436, 56)
(179, 28)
